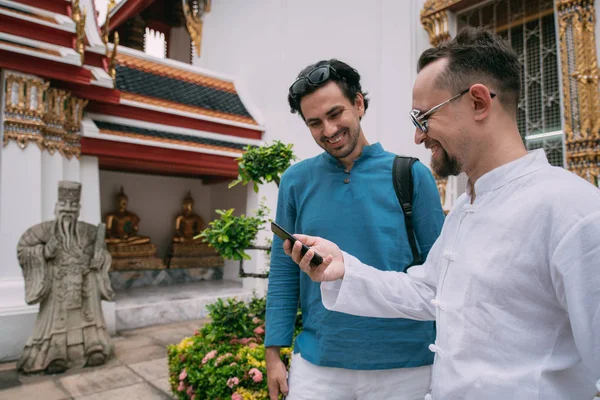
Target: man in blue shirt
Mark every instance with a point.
(346, 195)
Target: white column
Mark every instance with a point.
(2, 102)
(90, 213)
(70, 169)
(20, 201)
(90, 190)
(52, 172)
(20, 208)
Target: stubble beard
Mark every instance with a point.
(348, 148)
(446, 165)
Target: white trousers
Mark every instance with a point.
(311, 382)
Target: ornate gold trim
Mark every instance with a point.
(79, 19)
(580, 77)
(22, 139)
(24, 110)
(436, 26)
(193, 20)
(435, 6)
(434, 18)
(112, 66)
(48, 117)
(106, 26)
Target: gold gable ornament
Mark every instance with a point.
(194, 11)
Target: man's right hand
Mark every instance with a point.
(276, 373)
(332, 267)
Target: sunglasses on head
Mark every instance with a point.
(315, 77)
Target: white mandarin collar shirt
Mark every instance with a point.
(513, 282)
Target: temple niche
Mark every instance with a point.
(187, 249)
(129, 250)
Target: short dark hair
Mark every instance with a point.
(346, 77)
(476, 54)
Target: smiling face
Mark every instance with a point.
(448, 127)
(334, 121)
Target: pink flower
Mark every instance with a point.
(233, 364)
(190, 390)
(194, 397)
(245, 341)
(181, 387)
(209, 356)
(231, 382)
(253, 345)
(183, 375)
(259, 331)
(221, 358)
(256, 375)
(236, 396)
(256, 320)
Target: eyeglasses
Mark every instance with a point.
(316, 77)
(420, 120)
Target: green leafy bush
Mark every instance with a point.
(264, 163)
(225, 359)
(231, 235)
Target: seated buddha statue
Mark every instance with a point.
(188, 250)
(188, 224)
(122, 225)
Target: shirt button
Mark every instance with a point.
(347, 180)
(428, 397)
(433, 348)
(436, 303)
(347, 171)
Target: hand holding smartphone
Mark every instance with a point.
(285, 235)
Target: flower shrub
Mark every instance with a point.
(225, 359)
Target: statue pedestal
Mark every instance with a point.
(138, 257)
(194, 255)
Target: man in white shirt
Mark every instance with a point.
(514, 279)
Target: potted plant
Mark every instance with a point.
(232, 235)
(264, 164)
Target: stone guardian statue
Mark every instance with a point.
(65, 265)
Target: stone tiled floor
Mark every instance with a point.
(137, 370)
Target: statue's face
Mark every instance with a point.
(187, 208)
(67, 210)
(122, 204)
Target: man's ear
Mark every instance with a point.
(481, 101)
(359, 103)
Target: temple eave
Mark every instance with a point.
(142, 158)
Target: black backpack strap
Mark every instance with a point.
(403, 185)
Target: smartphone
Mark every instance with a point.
(285, 235)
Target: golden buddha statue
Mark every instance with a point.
(128, 249)
(122, 225)
(188, 250)
(188, 224)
